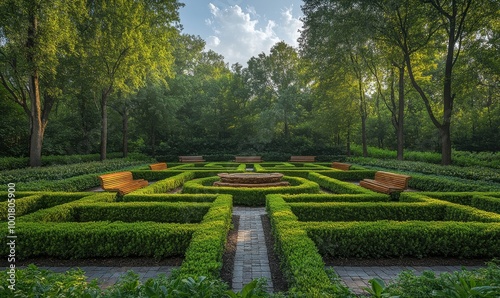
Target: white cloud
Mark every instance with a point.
(291, 26)
(240, 34)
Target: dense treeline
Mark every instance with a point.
(81, 77)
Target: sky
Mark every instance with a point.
(240, 29)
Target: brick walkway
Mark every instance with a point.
(356, 278)
(251, 259)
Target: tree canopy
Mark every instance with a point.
(101, 76)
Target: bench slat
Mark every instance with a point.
(248, 159)
(191, 158)
(121, 182)
(341, 166)
(302, 158)
(158, 166)
(386, 182)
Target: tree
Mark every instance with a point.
(457, 19)
(335, 39)
(34, 36)
(127, 42)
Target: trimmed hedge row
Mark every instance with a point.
(488, 201)
(173, 212)
(165, 185)
(65, 212)
(250, 196)
(398, 239)
(449, 184)
(204, 255)
(301, 264)
(318, 198)
(101, 239)
(178, 212)
(30, 201)
(337, 186)
(202, 198)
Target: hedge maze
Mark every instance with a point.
(322, 214)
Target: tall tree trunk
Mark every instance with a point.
(104, 124)
(401, 112)
(125, 131)
(348, 145)
(445, 131)
(36, 121)
(362, 111)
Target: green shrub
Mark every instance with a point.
(301, 264)
(369, 211)
(58, 172)
(204, 254)
(101, 239)
(178, 212)
(36, 201)
(482, 282)
(244, 196)
(165, 185)
(397, 239)
(335, 198)
(337, 186)
(170, 198)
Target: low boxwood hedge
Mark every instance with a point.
(376, 197)
(337, 186)
(244, 196)
(419, 239)
(165, 185)
(170, 198)
(204, 254)
(100, 239)
(301, 264)
(27, 202)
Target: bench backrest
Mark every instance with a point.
(191, 158)
(247, 158)
(341, 166)
(302, 158)
(158, 166)
(114, 179)
(398, 180)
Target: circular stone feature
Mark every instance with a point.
(251, 180)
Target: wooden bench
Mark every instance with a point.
(243, 159)
(302, 158)
(191, 159)
(158, 166)
(341, 166)
(386, 182)
(121, 182)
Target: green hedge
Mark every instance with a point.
(481, 200)
(37, 201)
(351, 175)
(398, 239)
(100, 239)
(300, 262)
(426, 210)
(337, 186)
(369, 211)
(335, 198)
(178, 212)
(173, 212)
(165, 185)
(204, 254)
(250, 196)
(66, 212)
(170, 198)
